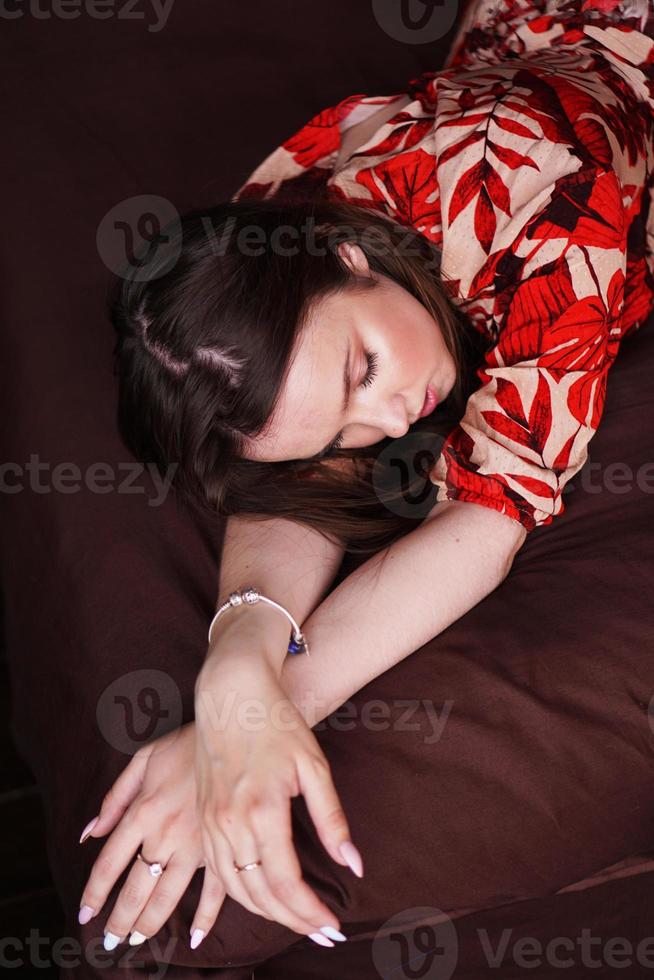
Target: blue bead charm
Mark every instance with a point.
(295, 647)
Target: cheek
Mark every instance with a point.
(423, 346)
(442, 356)
(409, 338)
(409, 335)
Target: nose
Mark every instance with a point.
(388, 415)
(397, 422)
(398, 434)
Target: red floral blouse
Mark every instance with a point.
(528, 159)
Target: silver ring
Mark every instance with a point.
(154, 867)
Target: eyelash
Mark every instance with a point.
(371, 374)
(372, 369)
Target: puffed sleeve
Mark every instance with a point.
(525, 431)
(301, 165)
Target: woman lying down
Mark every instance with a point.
(393, 341)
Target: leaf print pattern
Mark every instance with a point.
(545, 379)
(529, 160)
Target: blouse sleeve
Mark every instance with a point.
(525, 431)
(301, 165)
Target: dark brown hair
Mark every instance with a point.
(206, 329)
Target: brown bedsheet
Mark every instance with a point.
(541, 776)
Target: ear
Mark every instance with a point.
(354, 257)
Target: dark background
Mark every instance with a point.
(95, 111)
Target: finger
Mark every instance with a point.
(324, 806)
(212, 897)
(245, 849)
(228, 875)
(132, 898)
(121, 793)
(112, 860)
(164, 897)
(210, 852)
(293, 902)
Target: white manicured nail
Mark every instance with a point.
(136, 938)
(196, 938)
(350, 854)
(320, 939)
(89, 827)
(110, 941)
(333, 933)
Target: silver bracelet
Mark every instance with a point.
(250, 595)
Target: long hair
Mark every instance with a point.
(206, 330)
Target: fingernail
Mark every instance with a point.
(351, 855)
(136, 938)
(196, 938)
(320, 939)
(85, 914)
(89, 827)
(110, 941)
(333, 933)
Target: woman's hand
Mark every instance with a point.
(254, 751)
(152, 805)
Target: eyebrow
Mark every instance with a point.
(347, 388)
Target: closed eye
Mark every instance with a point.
(372, 359)
(371, 373)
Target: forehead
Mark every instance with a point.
(308, 411)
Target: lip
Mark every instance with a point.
(430, 402)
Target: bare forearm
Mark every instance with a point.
(382, 612)
(290, 563)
